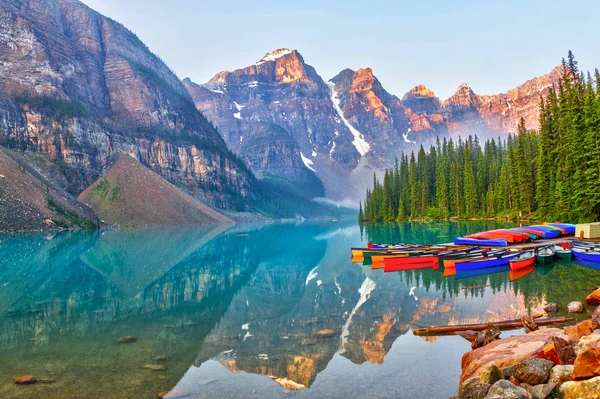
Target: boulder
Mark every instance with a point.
(327, 333)
(588, 389)
(542, 391)
(575, 307)
(551, 308)
(511, 351)
(491, 374)
(596, 314)
(587, 364)
(559, 350)
(589, 341)
(534, 371)
(560, 374)
(582, 329)
(127, 339)
(508, 390)
(509, 371)
(474, 389)
(593, 298)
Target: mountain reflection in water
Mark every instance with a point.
(245, 312)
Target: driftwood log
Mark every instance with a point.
(503, 325)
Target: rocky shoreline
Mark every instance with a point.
(545, 363)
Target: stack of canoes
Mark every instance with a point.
(586, 251)
(503, 237)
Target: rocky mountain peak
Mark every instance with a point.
(363, 80)
(419, 90)
(276, 54)
(462, 97)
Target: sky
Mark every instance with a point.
(492, 45)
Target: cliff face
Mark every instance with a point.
(284, 91)
(470, 113)
(79, 88)
(382, 120)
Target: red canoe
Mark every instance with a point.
(396, 264)
(525, 260)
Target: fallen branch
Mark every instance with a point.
(503, 325)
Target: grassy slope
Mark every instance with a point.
(130, 194)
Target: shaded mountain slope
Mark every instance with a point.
(29, 201)
(129, 194)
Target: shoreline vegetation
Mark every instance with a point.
(549, 174)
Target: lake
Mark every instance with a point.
(234, 312)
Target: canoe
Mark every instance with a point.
(517, 274)
(562, 252)
(547, 231)
(511, 236)
(569, 228)
(481, 272)
(561, 231)
(410, 266)
(586, 255)
(488, 235)
(485, 263)
(481, 242)
(451, 263)
(524, 260)
(396, 264)
(544, 256)
(530, 235)
(537, 234)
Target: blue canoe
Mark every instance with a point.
(569, 228)
(585, 255)
(498, 242)
(548, 232)
(485, 263)
(480, 272)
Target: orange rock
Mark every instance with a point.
(513, 350)
(593, 298)
(587, 364)
(582, 329)
(24, 380)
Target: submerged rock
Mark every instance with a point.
(127, 339)
(589, 389)
(593, 298)
(327, 333)
(160, 358)
(24, 380)
(534, 371)
(154, 367)
(560, 374)
(508, 390)
(575, 307)
(551, 308)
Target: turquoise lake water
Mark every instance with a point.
(234, 312)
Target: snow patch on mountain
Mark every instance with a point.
(311, 275)
(359, 141)
(405, 136)
(307, 162)
(274, 55)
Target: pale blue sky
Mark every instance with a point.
(492, 45)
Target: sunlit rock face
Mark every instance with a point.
(79, 87)
(487, 115)
(285, 93)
